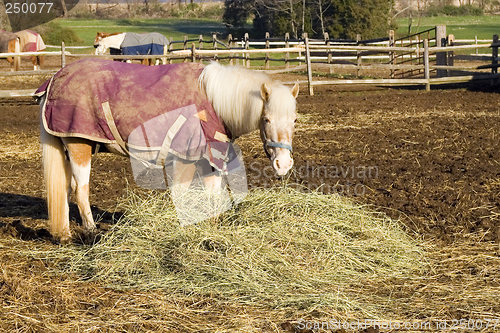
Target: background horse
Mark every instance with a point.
(242, 101)
(112, 44)
(30, 41)
(132, 44)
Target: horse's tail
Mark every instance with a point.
(14, 47)
(17, 60)
(57, 173)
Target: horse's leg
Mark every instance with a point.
(212, 181)
(80, 155)
(37, 62)
(57, 174)
(183, 174)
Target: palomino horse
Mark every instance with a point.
(77, 115)
(132, 44)
(22, 41)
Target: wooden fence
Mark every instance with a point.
(430, 57)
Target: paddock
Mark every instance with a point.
(429, 159)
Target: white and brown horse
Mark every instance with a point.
(128, 43)
(243, 100)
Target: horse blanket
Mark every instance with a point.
(143, 44)
(5, 38)
(30, 41)
(158, 108)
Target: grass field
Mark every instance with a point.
(176, 28)
(463, 27)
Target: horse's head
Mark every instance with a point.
(277, 124)
(97, 39)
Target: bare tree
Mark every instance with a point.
(321, 10)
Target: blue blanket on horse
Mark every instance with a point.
(153, 108)
(143, 44)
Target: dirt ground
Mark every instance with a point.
(430, 159)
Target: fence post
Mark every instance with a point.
(308, 62)
(184, 47)
(328, 53)
(267, 48)
(215, 46)
(230, 45)
(193, 52)
(17, 59)
(287, 54)
(450, 54)
(170, 48)
(441, 57)
(247, 55)
(426, 65)
(63, 55)
(391, 54)
(358, 56)
(494, 58)
(494, 55)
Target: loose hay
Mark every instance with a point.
(280, 248)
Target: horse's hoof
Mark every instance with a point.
(65, 240)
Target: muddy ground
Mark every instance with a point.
(430, 159)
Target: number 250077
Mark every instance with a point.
(28, 8)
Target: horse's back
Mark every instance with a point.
(150, 43)
(135, 94)
(30, 41)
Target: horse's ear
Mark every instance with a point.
(265, 92)
(295, 90)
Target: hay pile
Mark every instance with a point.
(279, 248)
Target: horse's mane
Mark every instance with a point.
(235, 95)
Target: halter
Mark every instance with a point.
(269, 143)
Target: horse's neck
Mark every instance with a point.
(244, 121)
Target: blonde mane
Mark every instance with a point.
(235, 95)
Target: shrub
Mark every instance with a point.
(53, 33)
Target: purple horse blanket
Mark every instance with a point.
(151, 108)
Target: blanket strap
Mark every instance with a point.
(112, 127)
(165, 147)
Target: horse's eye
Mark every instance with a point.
(295, 120)
(267, 120)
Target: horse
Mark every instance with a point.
(23, 41)
(132, 44)
(112, 43)
(30, 41)
(241, 101)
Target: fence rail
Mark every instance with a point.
(414, 60)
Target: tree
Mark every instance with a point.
(236, 12)
(340, 18)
